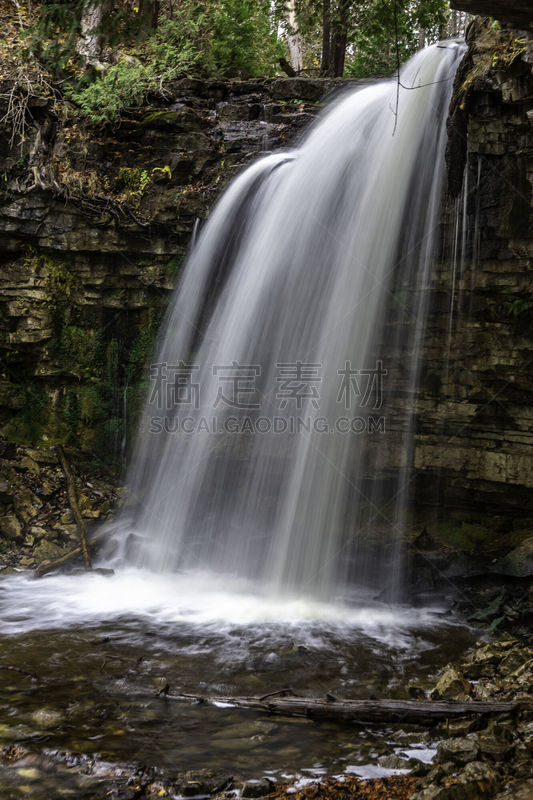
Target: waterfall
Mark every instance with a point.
(276, 443)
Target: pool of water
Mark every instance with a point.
(94, 651)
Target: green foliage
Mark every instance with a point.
(60, 283)
(119, 87)
(135, 180)
(519, 308)
(371, 31)
(54, 35)
(229, 36)
(28, 425)
(373, 48)
(78, 348)
(243, 39)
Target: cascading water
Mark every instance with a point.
(302, 307)
(277, 368)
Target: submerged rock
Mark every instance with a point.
(46, 718)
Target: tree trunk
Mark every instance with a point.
(294, 40)
(73, 500)
(339, 37)
(88, 45)
(149, 11)
(420, 712)
(326, 37)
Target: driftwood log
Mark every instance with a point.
(420, 712)
(48, 566)
(73, 501)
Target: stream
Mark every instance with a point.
(102, 647)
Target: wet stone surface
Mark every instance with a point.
(95, 705)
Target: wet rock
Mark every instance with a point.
(452, 686)
(421, 770)
(43, 455)
(8, 483)
(514, 659)
(523, 763)
(300, 88)
(26, 503)
(459, 751)
(46, 489)
(522, 678)
(256, 788)
(461, 727)
(517, 790)
(161, 684)
(526, 733)
(519, 562)
(65, 531)
(8, 450)
(394, 761)
(193, 788)
(10, 527)
(412, 737)
(495, 749)
(517, 12)
(30, 465)
(478, 777)
(475, 781)
(47, 551)
(46, 718)
(431, 792)
(487, 690)
(483, 663)
(89, 508)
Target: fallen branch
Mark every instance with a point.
(24, 672)
(419, 712)
(48, 566)
(73, 500)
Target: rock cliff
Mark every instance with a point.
(94, 225)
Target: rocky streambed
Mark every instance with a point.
(465, 759)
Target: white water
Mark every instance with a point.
(201, 599)
(306, 258)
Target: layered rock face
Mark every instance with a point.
(474, 445)
(94, 225)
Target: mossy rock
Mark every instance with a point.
(519, 562)
(47, 551)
